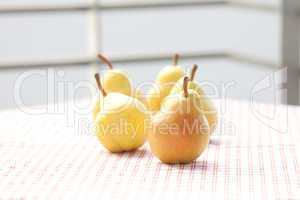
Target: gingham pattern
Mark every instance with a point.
(43, 158)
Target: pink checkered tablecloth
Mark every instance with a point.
(254, 154)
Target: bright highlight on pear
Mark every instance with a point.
(165, 81)
(180, 131)
(121, 124)
(206, 105)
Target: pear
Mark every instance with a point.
(121, 124)
(180, 132)
(191, 84)
(138, 94)
(97, 104)
(115, 80)
(164, 82)
(206, 105)
(98, 100)
(155, 96)
(170, 74)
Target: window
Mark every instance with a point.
(136, 30)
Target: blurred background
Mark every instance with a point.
(240, 43)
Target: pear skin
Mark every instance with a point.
(97, 104)
(170, 74)
(137, 93)
(180, 133)
(206, 105)
(115, 80)
(209, 110)
(165, 81)
(155, 97)
(122, 123)
(192, 85)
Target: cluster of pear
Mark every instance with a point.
(176, 118)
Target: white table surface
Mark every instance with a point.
(55, 156)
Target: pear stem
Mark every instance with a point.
(175, 59)
(185, 86)
(193, 73)
(100, 87)
(105, 60)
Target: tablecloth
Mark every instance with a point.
(253, 154)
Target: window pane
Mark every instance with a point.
(165, 30)
(246, 31)
(44, 85)
(268, 2)
(39, 2)
(43, 35)
(256, 33)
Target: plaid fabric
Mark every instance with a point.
(251, 156)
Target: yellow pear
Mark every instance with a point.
(97, 104)
(180, 132)
(115, 80)
(210, 111)
(155, 96)
(98, 101)
(121, 124)
(191, 85)
(206, 105)
(165, 81)
(137, 93)
(170, 74)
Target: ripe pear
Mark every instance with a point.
(155, 96)
(210, 111)
(180, 132)
(191, 84)
(165, 81)
(170, 73)
(138, 94)
(97, 104)
(115, 80)
(206, 105)
(121, 124)
(98, 100)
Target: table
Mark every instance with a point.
(254, 154)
